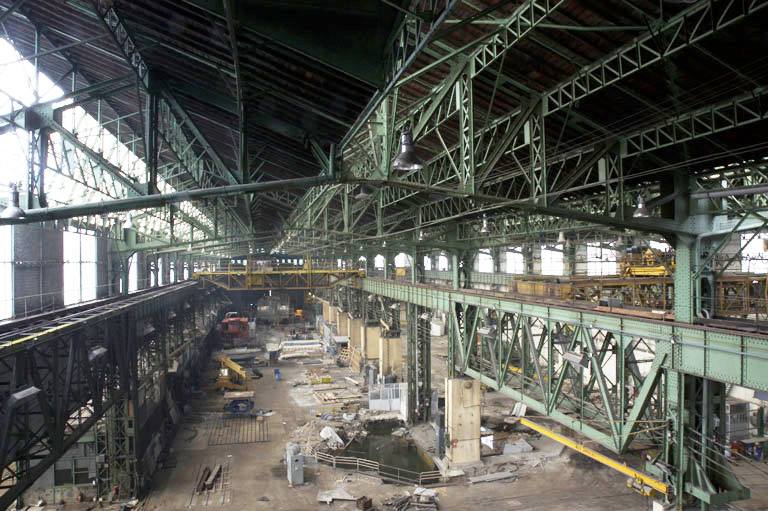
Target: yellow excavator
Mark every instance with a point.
(232, 376)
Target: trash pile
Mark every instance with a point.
(328, 432)
(422, 499)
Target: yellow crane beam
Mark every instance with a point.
(642, 479)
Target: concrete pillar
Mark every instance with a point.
(333, 314)
(355, 333)
(462, 413)
(326, 311)
(371, 336)
(390, 356)
(343, 323)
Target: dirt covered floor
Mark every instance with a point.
(254, 473)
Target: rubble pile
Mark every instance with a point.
(422, 499)
(328, 432)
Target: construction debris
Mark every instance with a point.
(365, 503)
(331, 438)
(212, 477)
(498, 476)
(517, 447)
(397, 503)
(329, 496)
(203, 478)
(422, 499)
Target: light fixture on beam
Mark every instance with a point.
(488, 333)
(384, 244)
(421, 235)
(642, 209)
(407, 159)
(128, 222)
(576, 359)
(363, 193)
(484, 229)
(13, 210)
(96, 353)
(20, 397)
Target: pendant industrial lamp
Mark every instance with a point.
(484, 228)
(13, 210)
(128, 222)
(642, 209)
(363, 193)
(407, 159)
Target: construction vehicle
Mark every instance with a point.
(232, 376)
(239, 403)
(234, 325)
(645, 263)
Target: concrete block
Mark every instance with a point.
(462, 410)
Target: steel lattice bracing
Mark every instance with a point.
(620, 381)
(419, 377)
(63, 375)
(246, 280)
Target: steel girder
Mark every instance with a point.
(718, 354)
(543, 177)
(409, 40)
(419, 377)
(63, 378)
(244, 280)
(488, 48)
(440, 105)
(170, 130)
(686, 28)
(734, 178)
(621, 382)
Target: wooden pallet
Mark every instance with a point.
(333, 398)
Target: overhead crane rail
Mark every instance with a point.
(734, 295)
(12, 337)
(743, 354)
(249, 278)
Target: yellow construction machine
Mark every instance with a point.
(232, 376)
(644, 263)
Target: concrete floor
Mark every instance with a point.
(256, 470)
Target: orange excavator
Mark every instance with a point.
(234, 326)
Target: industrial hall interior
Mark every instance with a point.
(392, 255)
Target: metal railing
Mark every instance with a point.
(386, 472)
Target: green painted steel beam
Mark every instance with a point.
(728, 356)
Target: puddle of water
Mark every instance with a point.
(382, 447)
